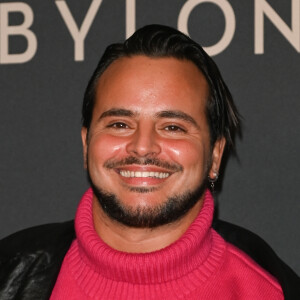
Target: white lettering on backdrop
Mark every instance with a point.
(262, 8)
(229, 23)
(7, 30)
(130, 17)
(262, 11)
(78, 35)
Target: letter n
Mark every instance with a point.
(263, 8)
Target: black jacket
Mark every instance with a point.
(30, 260)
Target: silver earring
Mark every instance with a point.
(213, 180)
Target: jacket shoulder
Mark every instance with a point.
(42, 237)
(30, 260)
(261, 253)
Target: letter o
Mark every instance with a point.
(228, 12)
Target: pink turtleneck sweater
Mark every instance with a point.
(200, 265)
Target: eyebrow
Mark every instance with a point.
(177, 114)
(117, 112)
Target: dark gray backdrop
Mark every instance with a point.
(42, 177)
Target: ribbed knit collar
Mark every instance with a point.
(195, 256)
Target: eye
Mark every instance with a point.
(174, 128)
(118, 125)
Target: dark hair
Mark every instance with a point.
(163, 41)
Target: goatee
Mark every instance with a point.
(173, 209)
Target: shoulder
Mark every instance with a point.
(42, 237)
(30, 260)
(250, 273)
(263, 256)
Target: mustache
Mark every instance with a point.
(130, 160)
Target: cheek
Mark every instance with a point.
(186, 153)
(104, 147)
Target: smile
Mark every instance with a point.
(143, 174)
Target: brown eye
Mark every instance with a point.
(174, 128)
(118, 125)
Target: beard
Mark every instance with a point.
(171, 210)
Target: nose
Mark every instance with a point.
(144, 142)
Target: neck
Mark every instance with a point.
(140, 240)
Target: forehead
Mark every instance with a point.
(144, 83)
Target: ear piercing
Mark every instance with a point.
(213, 180)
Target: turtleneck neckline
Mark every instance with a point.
(197, 252)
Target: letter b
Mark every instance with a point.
(23, 29)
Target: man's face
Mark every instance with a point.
(149, 138)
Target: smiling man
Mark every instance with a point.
(148, 151)
(157, 117)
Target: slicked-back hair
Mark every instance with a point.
(159, 41)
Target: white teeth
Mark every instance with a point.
(144, 174)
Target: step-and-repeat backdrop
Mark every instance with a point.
(48, 50)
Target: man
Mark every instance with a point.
(157, 117)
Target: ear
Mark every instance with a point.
(84, 145)
(217, 154)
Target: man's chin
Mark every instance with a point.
(143, 215)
